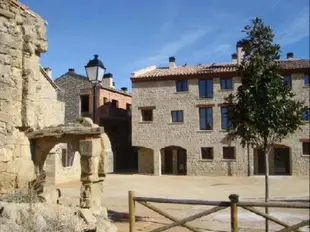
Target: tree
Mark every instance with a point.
(263, 111)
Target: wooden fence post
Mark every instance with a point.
(132, 211)
(234, 199)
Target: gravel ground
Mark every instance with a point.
(193, 187)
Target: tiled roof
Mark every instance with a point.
(212, 68)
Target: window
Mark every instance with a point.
(306, 115)
(306, 80)
(84, 99)
(207, 152)
(115, 103)
(177, 116)
(67, 155)
(229, 153)
(226, 83)
(288, 80)
(128, 106)
(105, 100)
(206, 118)
(206, 88)
(225, 122)
(181, 86)
(306, 148)
(147, 115)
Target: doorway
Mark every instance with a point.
(282, 161)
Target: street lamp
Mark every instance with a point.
(95, 71)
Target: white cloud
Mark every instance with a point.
(296, 29)
(211, 51)
(171, 48)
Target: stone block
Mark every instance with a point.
(5, 155)
(87, 216)
(7, 182)
(90, 147)
(89, 165)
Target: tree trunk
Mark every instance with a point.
(249, 162)
(267, 151)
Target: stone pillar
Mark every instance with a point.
(251, 161)
(175, 161)
(92, 187)
(157, 162)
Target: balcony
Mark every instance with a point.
(109, 111)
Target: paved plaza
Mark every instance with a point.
(194, 187)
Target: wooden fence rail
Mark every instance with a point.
(218, 205)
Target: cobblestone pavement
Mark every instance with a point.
(193, 187)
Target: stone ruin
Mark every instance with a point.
(32, 112)
(90, 141)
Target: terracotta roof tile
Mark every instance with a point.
(213, 68)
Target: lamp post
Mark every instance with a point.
(95, 71)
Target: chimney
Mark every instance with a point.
(107, 80)
(234, 59)
(172, 62)
(48, 71)
(240, 52)
(290, 56)
(71, 70)
(124, 89)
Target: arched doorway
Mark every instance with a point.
(174, 160)
(279, 161)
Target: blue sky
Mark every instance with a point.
(130, 35)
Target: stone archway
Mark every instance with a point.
(279, 161)
(86, 138)
(174, 160)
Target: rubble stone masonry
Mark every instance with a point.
(28, 98)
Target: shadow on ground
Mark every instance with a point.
(122, 217)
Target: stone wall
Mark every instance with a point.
(145, 161)
(72, 83)
(28, 99)
(161, 132)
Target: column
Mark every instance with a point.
(92, 186)
(157, 162)
(175, 161)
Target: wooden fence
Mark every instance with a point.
(218, 205)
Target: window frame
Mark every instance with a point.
(142, 115)
(225, 81)
(206, 118)
(288, 82)
(179, 116)
(203, 88)
(304, 151)
(306, 115)
(234, 152)
(229, 126)
(116, 103)
(205, 149)
(181, 85)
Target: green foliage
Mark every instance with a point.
(263, 111)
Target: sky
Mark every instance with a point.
(131, 35)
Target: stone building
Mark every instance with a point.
(113, 113)
(29, 99)
(179, 121)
